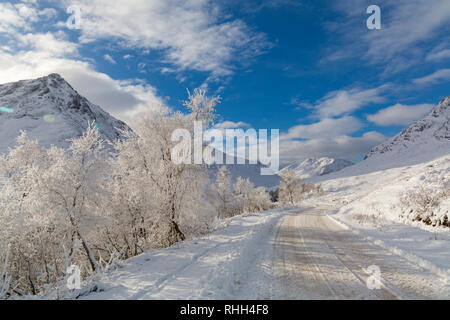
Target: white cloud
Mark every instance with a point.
(328, 137)
(399, 114)
(325, 128)
(231, 125)
(194, 35)
(341, 102)
(49, 44)
(21, 16)
(440, 75)
(344, 147)
(13, 17)
(110, 59)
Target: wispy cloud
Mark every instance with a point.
(439, 53)
(110, 59)
(406, 25)
(437, 76)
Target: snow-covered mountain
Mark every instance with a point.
(313, 167)
(423, 140)
(50, 110)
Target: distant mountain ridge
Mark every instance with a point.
(50, 110)
(314, 167)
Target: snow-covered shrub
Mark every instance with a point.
(429, 205)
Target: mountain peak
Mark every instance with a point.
(52, 111)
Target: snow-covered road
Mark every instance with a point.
(317, 258)
(273, 255)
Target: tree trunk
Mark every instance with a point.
(176, 234)
(90, 255)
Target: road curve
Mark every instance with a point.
(316, 258)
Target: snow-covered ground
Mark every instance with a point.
(370, 204)
(232, 263)
(377, 195)
(283, 254)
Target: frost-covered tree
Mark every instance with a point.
(74, 185)
(23, 224)
(50, 202)
(158, 199)
(223, 193)
(201, 107)
(291, 188)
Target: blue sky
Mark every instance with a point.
(309, 68)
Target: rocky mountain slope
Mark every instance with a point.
(50, 110)
(423, 140)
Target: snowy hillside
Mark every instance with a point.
(423, 140)
(313, 167)
(50, 110)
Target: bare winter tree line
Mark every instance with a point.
(88, 206)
